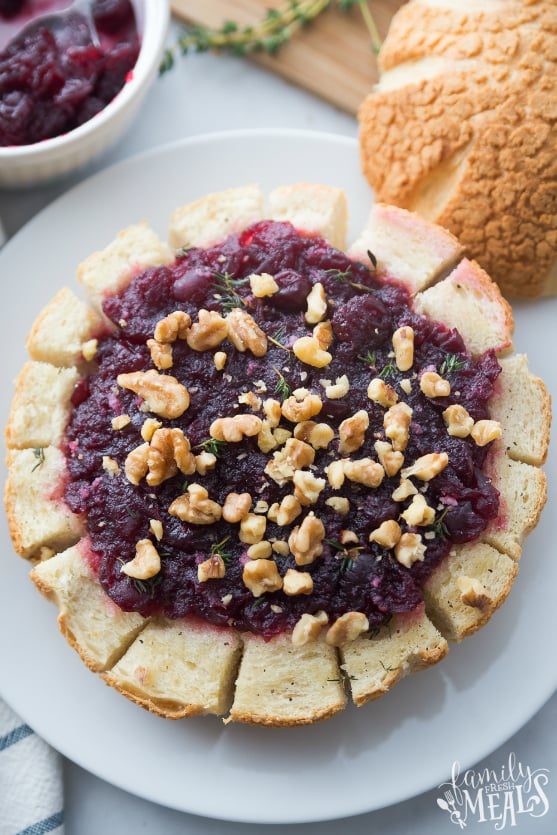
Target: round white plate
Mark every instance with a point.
(358, 761)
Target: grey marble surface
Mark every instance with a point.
(207, 93)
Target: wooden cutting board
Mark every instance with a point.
(332, 57)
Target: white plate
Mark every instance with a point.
(358, 761)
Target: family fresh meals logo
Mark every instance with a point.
(500, 797)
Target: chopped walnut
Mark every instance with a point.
(204, 462)
(280, 546)
(156, 528)
(164, 395)
(405, 489)
(381, 392)
(219, 358)
(236, 507)
(174, 326)
(169, 451)
(149, 427)
(307, 487)
(145, 564)
(316, 304)
(161, 354)
(288, 510)
(347, 628)
(260, 550)
(212, 568)
(249, 398)
(89, 349)
(364, 471)
(297, 582)
(457, 420)
(410, 549)
(319, 435)
(472, 592)
(352, 432)
(266, 441)
(298, 453)
(427, 466)
(252, 528)
(396, 423)
(306, 540)
(208, 332)
(391, 460)
(323, 332)
(272, 411)
(335, 474)
(348, 537)
(261, 576)
(418, 513)
(196, 507)
(281, 435)
(339, 504)
(263, 285)
(387, 534)
(308, 628)
(309, 351)
(433, 385)
(299, 408)
(340, 388)
(120, 422)
(136, 466)
(235, 429)
(245, 334)
(485, 431)
(110, 465)
(403, 344)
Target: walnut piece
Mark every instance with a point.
(387, 534)
(403, 344)
(164, 395)
(236, 507)
(352, 432)
(323, 332)
(169, 451)
(136, 466)
(309, 351)
(261, 576)
(196, 507)
(245, 334)
(410, 549)
(161, 354)
(418, 513)
(347, 628)
(307, 487)
(433, 385)
(263, 285)
(174, 326)
(308, 628)
(145, 564)
(306, 540)
(340, 504)
(208, 332)
(288, 510)
(427, 466)
(120, 422)
(457, 420)
(391, 460)
(381, 392)
(339, 389)
(364, 471)
(472, 592)
(212, 568)
(316, 304)
(396, 422)
(235, 429)
(297, 582)
(485, 431)
(319, 435)
(301, 406)
(260, 550)
(252, 528)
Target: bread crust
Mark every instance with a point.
(184, 668)
(462, 129)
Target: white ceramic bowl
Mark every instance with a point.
(29, 165)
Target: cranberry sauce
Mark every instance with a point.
(52, 82)
(364, 313)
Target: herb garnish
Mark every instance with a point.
(347, 556)
(282, 388)
(451, 363)
(387, 371)
(269, 35)
(370, 358)
(226, 286)
(38, 452)
(217, 550)
(343, 277)
(212, 445)
(147, 586)
(276, 339)
(438, 527)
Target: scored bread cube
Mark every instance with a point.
(312, 209)
(38, 517)
(407, 248)
(282, 684)
(523, 493)
(90, 621)
(375, 663)
(41, 405)
(61, 329)
(178, 668)
(112, 268)
(521, 402)
(212, 218)
(469, 301)
(467, 587)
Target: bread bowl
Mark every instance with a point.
(182, 666)
(461, 129)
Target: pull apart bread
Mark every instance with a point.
(258, 475)
(462, 128)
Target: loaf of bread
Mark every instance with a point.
(182, 666)
(461, 128)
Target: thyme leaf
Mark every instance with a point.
(38, 452)
(212, 445)
(451, 363)
(282, 388)
(370, 358)
(217, 549)
(387, 371)
(276, 339)
(226, 287)
(438, 527)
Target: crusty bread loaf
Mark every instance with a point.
(462, 129)
(186, 667)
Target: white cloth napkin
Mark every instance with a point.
(31, 793)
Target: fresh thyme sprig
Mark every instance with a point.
(217, 550)
(387, 371)
(38, 452)
(451, 363)
(370, 358)
(282, 388)
(438, 527)
(269, 35)
(226, 287)
(344, 278)
(212, 445)
(347, 556)
(276, 339)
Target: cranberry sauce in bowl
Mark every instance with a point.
(53, 82)
(325, 458)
